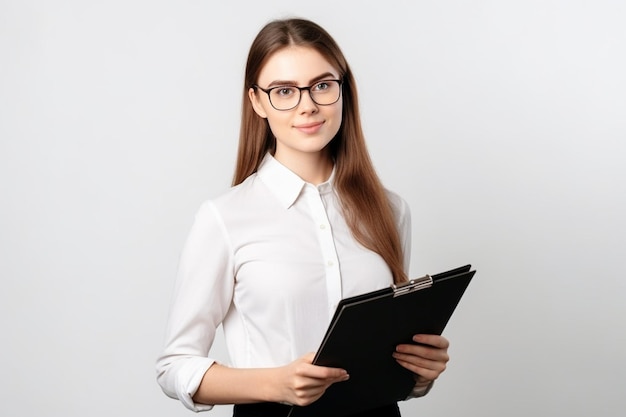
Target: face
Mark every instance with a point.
(309, 127)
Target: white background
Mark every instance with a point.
(501, 122)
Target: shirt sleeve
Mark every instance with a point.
(420, 391)
(402, 214)
(201, 299)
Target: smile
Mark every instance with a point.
(310, 128)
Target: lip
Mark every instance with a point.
(309, 128)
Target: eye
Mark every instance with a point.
(321, 86)
(284, 92)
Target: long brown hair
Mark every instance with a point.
(364, 201)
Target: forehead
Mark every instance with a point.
(295, 63)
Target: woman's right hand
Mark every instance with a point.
(298, 383)
(301, 382)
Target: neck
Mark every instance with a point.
(314, 168)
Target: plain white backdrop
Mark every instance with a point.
(502, 123)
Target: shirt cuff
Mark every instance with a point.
(189, 379)
(420, 391)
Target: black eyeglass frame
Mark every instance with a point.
(269, 90)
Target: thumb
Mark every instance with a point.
(308, 358)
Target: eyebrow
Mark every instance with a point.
(323, 76)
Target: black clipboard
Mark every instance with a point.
(364, 332)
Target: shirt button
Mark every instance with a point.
(330, 263)
(322, 226)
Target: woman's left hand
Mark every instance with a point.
(427, 358)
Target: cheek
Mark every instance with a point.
(277, 123)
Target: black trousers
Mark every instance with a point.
(281, 410)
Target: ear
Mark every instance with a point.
(256, 103)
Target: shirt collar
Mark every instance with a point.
(284, 183)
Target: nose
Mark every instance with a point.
(307, 105)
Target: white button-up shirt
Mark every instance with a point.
(269, 260)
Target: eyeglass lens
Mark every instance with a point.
(324, 93)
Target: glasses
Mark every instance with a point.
(287, 97)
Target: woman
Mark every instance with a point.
(306, 224)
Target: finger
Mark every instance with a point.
(421, 366)
(327, 373)
(425, 373)
(306, 395)
(420, 362)
(432, 340)
(322, 372)
(423, 351)
(308, 389)
(308, 358)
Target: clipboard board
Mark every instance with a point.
(364, 332)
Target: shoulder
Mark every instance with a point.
(235, 203)
(400, 207)
(237, 195)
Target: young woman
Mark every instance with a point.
(306, 224)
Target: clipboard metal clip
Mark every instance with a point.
(412, 286)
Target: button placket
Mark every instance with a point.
(327, 245)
